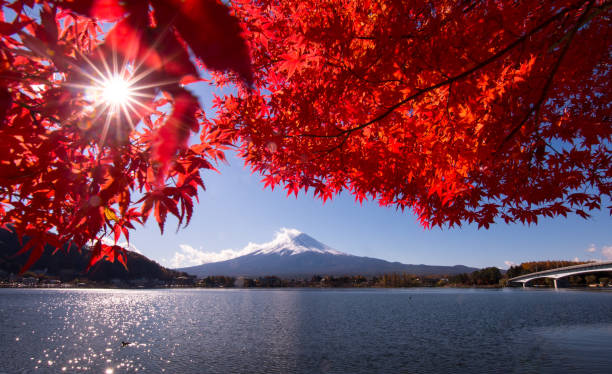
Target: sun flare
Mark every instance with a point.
(116, 98)
(113, 92)
(116, 90)
(118, 94)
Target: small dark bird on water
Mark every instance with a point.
(123, 344)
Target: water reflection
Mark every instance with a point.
(304, 331)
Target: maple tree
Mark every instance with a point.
(464, 111)
(78, 164)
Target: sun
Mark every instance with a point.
(113, 98)
(116, 98)
(116, 90)
(118, 93)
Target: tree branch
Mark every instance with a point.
(536, 108)
(455, 78)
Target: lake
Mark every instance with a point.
(305, 331)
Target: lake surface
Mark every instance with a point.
(305, 331)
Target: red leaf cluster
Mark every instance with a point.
(463, 111)
(73, 171)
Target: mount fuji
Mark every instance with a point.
(296, 254)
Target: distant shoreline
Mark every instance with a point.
(101, 287)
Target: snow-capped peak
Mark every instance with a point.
(290, 242)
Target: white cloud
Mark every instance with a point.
(189, 256)
(129, 246)
(509, 263)
(576, 259)
(284, 239)
(606, 251)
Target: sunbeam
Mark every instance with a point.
(116, 90)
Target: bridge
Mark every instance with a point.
(556, 274)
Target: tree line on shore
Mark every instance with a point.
(486, 277)
(145, 274)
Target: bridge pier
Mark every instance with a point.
(555, 282)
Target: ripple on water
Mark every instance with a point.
(304, 331)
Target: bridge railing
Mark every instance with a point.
(581, 267)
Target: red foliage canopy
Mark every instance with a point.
(464, 111)
(74, 169)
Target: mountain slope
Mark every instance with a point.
(293, 253)
(72, 264)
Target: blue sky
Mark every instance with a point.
(236, 210)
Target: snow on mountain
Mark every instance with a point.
(293, 253)
(290, 242)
